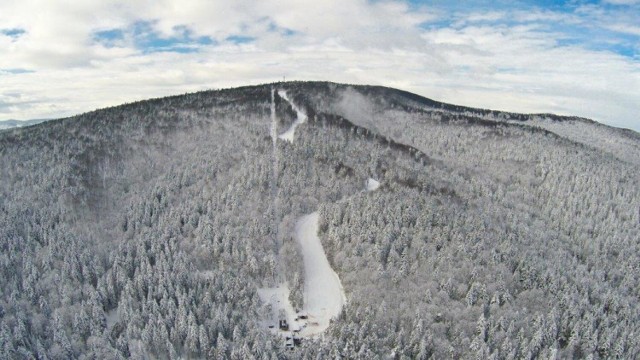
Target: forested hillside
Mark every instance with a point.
(145, 230)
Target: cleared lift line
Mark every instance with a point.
(324, 296)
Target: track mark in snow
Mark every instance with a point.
(323, 292)
(301, 119)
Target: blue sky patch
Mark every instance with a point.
(581, 27)
(109, 38)
(239, 39)
(14, 71)
(13, 33)
(146, 39)
(273, 27)
(288, 32)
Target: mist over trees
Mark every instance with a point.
(144, 230)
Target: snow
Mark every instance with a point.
(206, 274)
(112, 317)
(274, 123)
(274, 180)
(323, 292)
(278, 299)
(608, 139)
(301, 119)
(372, 184)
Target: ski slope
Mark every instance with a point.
(323, 292)
(301, 119)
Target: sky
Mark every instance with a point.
(59, 57)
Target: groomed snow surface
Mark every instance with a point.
(323, 292)
(301, 119)
(278, 299)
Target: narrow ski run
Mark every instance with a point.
(301, 119)
(323, 294)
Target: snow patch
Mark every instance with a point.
(301, 119)
(372, 184)
(323, 292)
(281, 309)
(112, 317)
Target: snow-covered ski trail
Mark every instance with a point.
(301, 118)
(323, 292)
(274, 183)
(276, 299)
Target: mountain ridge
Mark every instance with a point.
(11, 123)
(435, 104)
(591, 133)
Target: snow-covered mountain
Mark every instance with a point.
(9, 124)
(318, 220)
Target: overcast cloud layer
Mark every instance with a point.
(59, 58)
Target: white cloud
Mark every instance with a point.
(623, 2)
(481, 60)
(625, 28)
